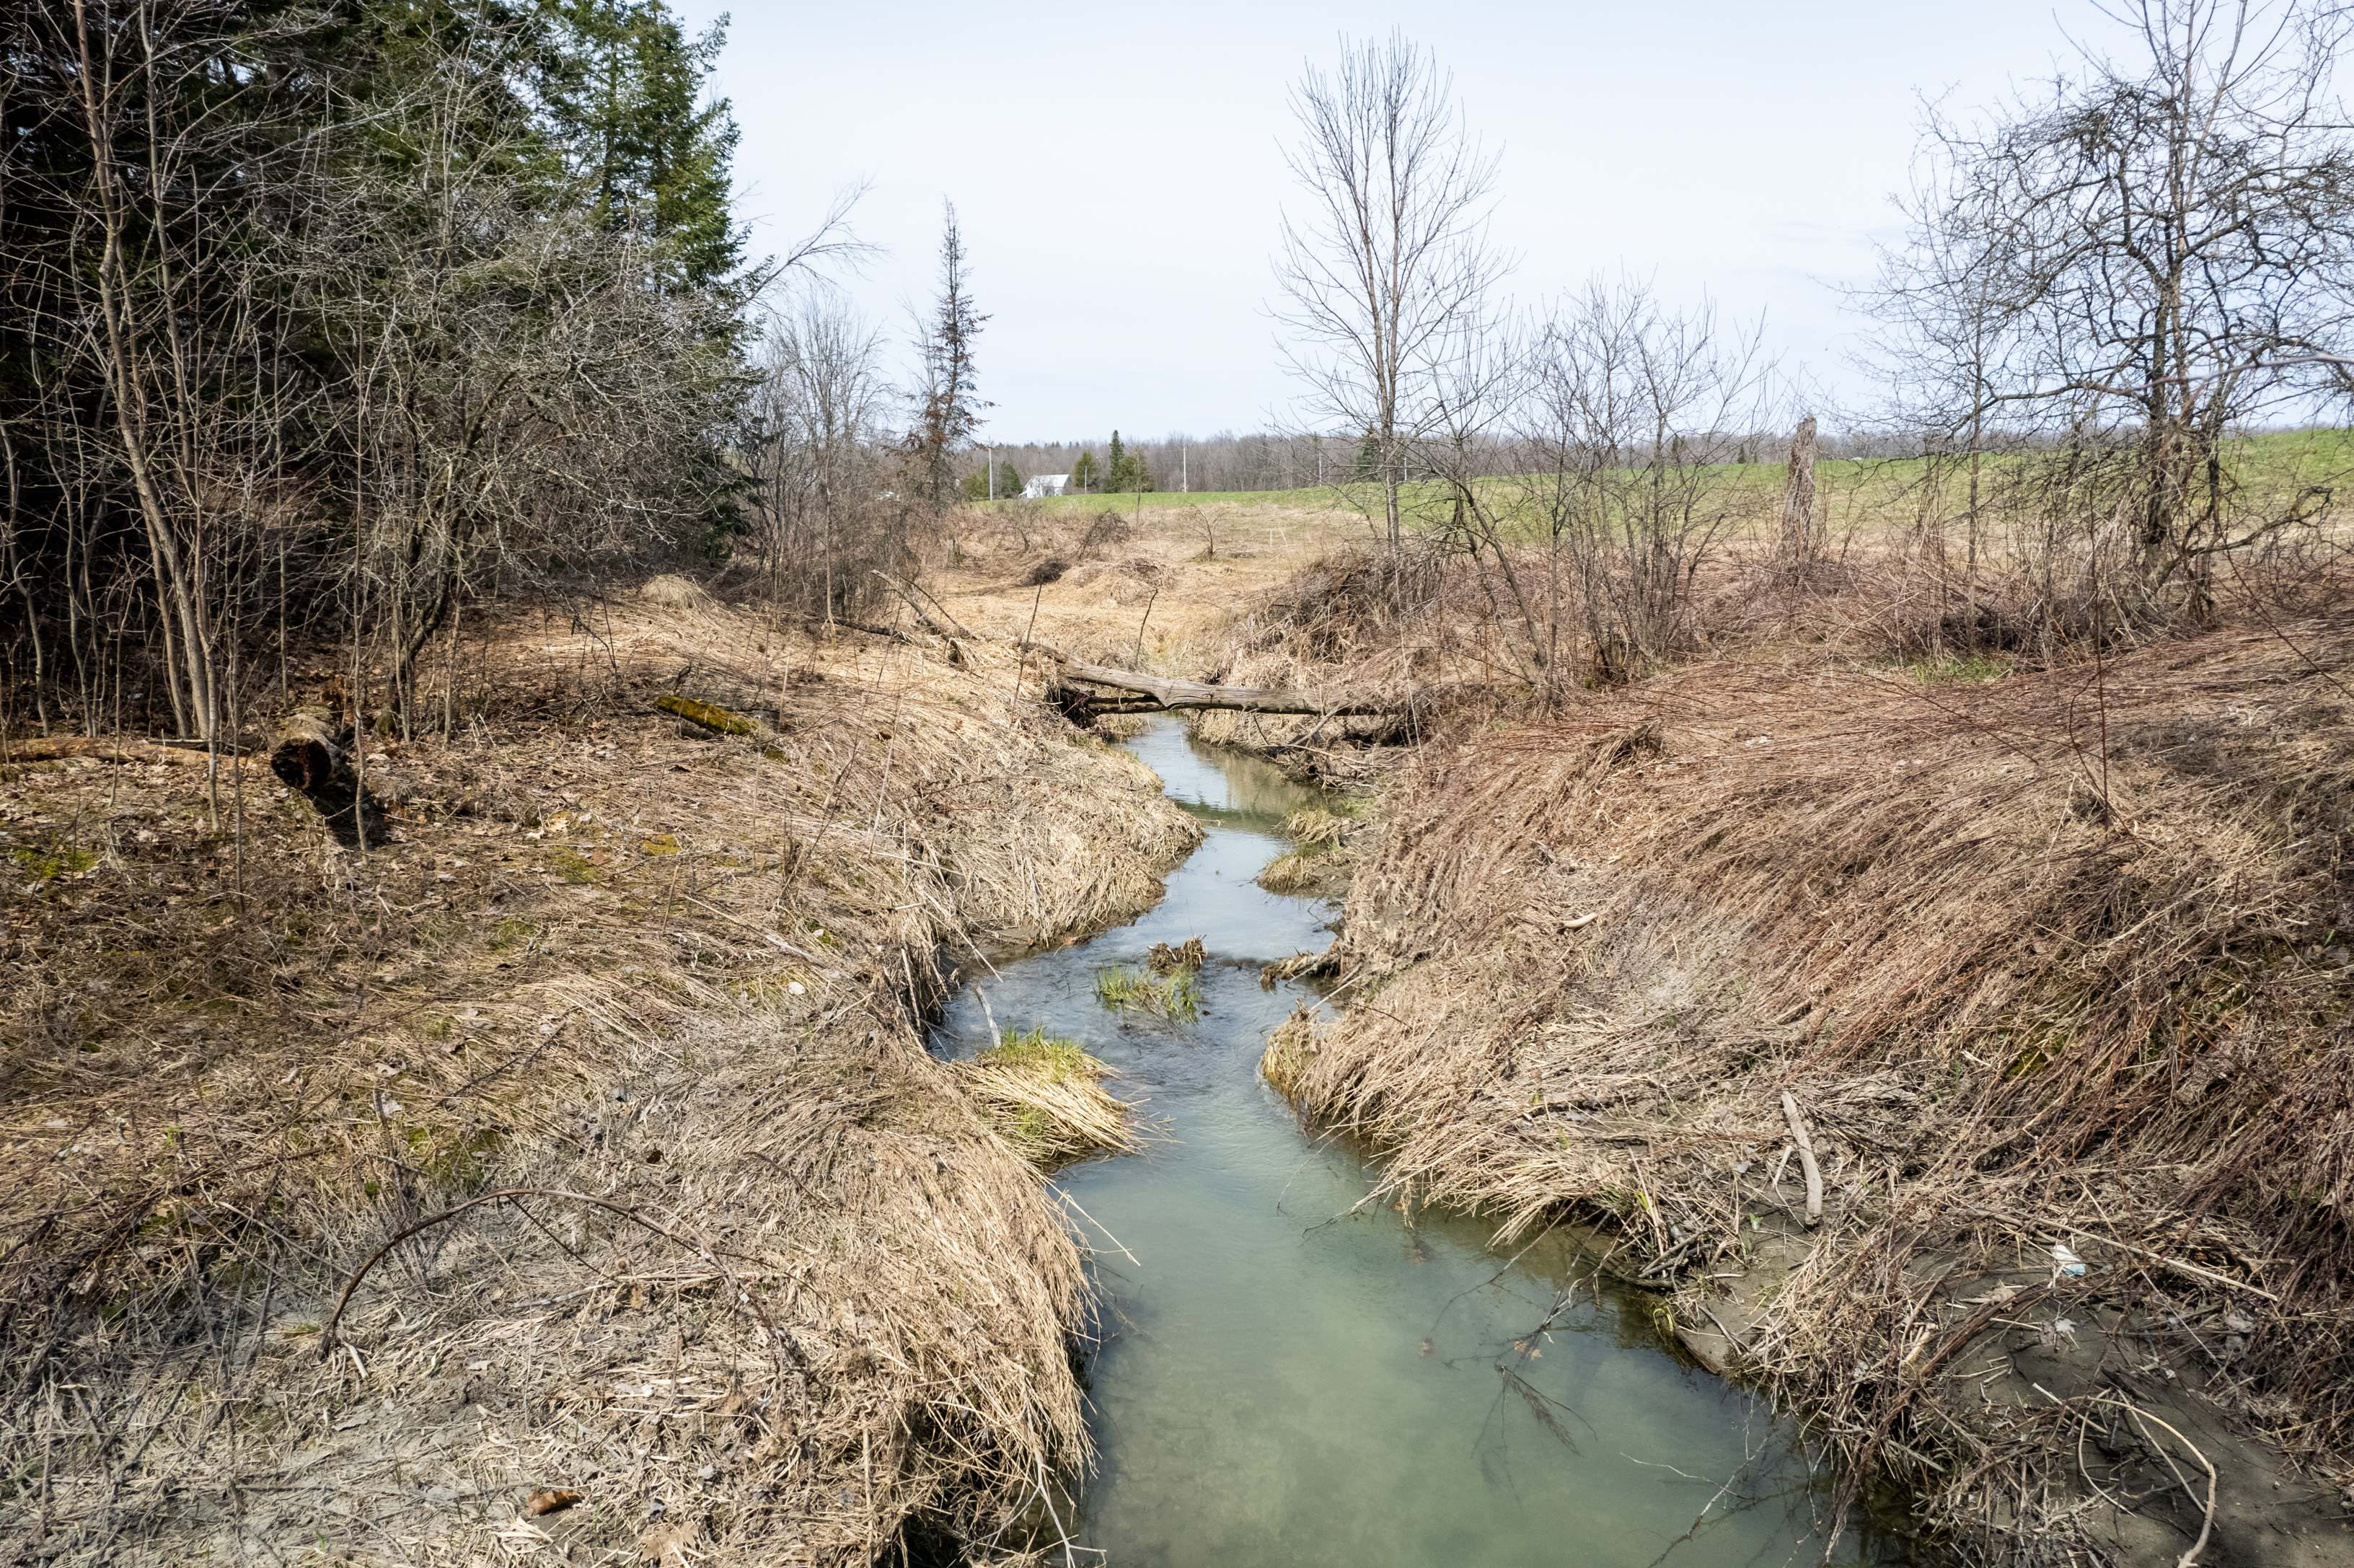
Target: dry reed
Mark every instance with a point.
(1046, 1098)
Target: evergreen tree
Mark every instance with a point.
(1128, 470)
(1084, 473)
(949, 409)
(623, 87)
(977, 484)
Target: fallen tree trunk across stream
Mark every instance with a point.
(1174, 695)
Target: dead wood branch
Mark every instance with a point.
(1806, 1161)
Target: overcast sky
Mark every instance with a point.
(1118, 170)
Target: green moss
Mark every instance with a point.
(571, 865)
(64, 861)
(709, 715)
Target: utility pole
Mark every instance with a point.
(991, 461)
(1185, 471)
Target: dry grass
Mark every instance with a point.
(771, 1289)
(2060, 956)
(1134, 591)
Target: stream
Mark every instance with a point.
(1285, 1378)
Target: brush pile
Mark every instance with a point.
(591, 1075)
(2053, 961)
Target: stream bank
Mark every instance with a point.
(598, 1082)
(2069, 1046)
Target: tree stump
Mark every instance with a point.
(1801, 533)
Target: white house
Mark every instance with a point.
(1044, 484)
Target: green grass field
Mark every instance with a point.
(1860, 494)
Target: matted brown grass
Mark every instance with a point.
(2061, 957)
(769, 1289)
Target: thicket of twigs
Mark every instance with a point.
(744, 1265)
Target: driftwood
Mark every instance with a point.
(1806, 1161)
(1173, 696)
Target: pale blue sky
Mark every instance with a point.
(1118, 174)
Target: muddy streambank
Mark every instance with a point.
(2068, 1049)
(560, 1175)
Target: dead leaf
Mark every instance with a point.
(551, 1499)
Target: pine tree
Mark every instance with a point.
(949, 411)
(623, 86)
(1083, 474)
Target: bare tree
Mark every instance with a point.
(2137, 267)
(819, 454)
(1634, 414)
(1388, 272)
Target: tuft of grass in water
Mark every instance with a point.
(1044, 1096)
(1316, 829)
(1124, 989)
(1291, 1051)
(1055, 1057)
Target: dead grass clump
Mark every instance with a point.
(1325, 830)
(1293, 873)
(1049, 570)
(1291, 1051)
(1324, 861)
(2056, 958)
(1045, 1097)
(1188, 954)
(671, 591)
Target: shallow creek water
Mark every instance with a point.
(1286, 1378)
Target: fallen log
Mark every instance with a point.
(710, 715)
(1174, 696)
(42, 749)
